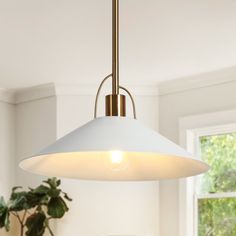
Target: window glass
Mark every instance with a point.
(216, 204)
(217, 217)
(219, 151)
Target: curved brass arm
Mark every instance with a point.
(132, 100)
(98, 93)
(120, 87)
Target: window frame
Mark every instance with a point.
(209, 131)
(191, 128)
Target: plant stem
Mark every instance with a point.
(22, 230)
(48, 227)
(21, 222)
(23, 218)
(50, 231)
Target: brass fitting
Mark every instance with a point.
(115, 105)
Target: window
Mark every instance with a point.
(196, 198)
(216, 190)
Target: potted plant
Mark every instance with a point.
(34, 209)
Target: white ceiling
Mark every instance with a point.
(68, 41)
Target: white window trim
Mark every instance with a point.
(190, 129)
(216, 195)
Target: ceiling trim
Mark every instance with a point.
(195, 82)
(66, 90)
(7, 96)
(35, 93)
(164, 88)
(53, 90)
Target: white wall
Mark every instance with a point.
(7, 147)
(172, 106)
(102, 208)
(26, 125)
(35, 129)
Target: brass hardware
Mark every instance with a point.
(115, 105)
(115, 46)
(132, 100)
(98, 93)
(121, 87)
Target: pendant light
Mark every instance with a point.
(114, 147)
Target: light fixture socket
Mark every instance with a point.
(115, 105)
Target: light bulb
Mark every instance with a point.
(118, 160)
(116, 157)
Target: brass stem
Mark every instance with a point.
(115, 102)
(115, 46)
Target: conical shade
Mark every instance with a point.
(114, 149)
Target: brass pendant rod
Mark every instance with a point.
(115, 46)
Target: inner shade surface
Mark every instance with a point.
(99, 166)
(114, 149)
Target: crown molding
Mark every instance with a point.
(170, 87)
(35, 93)
(7, 96)
(75, 90)
(53, 90)
(214, 78)
(199, 81)
(164, 88)
(151, 90)
(78, 90)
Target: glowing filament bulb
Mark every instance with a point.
(116, 157)
(118, 161)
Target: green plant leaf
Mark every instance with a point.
(15, 195)
(5, 220)
(46, 197)
(2, 203)
(58, 182)
(36, 224)
(4, 215)
(16, 188)
(67, 197)
(53, 182)
(54, 192)
(17, 201)
(34, 199)
(41, 189)
(57, 207)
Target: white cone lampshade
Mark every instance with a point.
(114, 149)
